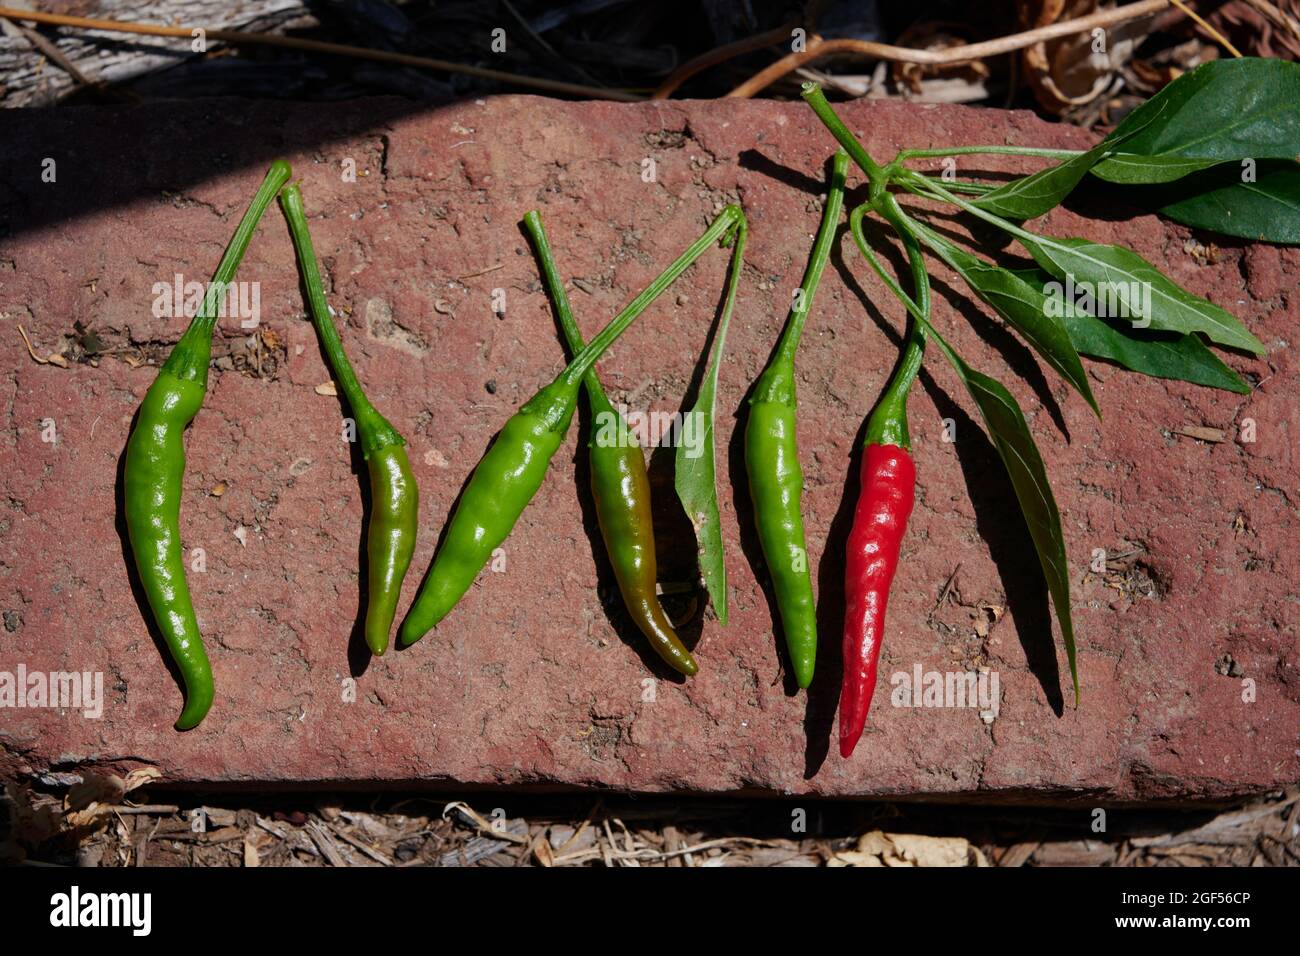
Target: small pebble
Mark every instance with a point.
(491, 386)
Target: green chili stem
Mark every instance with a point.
(821, 252)
(729, 220)
(913, 180)
(814, 97)
(855, 228)
(372, 428)
(996, 150)
(965, 186)
(560, 298)
(888, 423)
(194, 346)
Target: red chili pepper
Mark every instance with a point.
(884, 505)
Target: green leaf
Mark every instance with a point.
(1223, 111)
(1032, 196)
(695, 477)
(1159, 354)
(1129, 169)
(1010, 433)
(1267, 210)
(1136, 289)
(1024, 307)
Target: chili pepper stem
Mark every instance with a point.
(722, 228)
(876, 175)
(373, 430)
(190, 356)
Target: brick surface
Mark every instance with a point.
(538, 677)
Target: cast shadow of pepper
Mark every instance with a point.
(359, 653)
(137, 586)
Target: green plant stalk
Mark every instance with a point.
(876, 175)
(906, 154)
(620, 485)
(730, 222)
(155, 470)
(772, 455)
(887, 424)
(963, 186)
(512, 470)
(393, 522)
(192, 353)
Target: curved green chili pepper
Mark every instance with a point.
(772, 456)
(394, 497)
(509, 475)
(620, 486)
(155, 467)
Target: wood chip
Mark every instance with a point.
(1201, 433)
(326, 388)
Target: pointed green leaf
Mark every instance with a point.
(1024, 307)
(695, 475)
(1135, 290)
(1130, 169)
(1032, 196)
(1159, 354)
(1266, 210)
(1010, 433)
(1223, 111)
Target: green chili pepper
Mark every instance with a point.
(772, 456)
(155, 467)
(509, 475)
(620, 485)
(394, 497)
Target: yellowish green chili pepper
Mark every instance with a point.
(509, 475)
(155, 467)
(772, 456)
(620, 485)
(394, 497)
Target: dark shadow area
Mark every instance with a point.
(153, 154)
